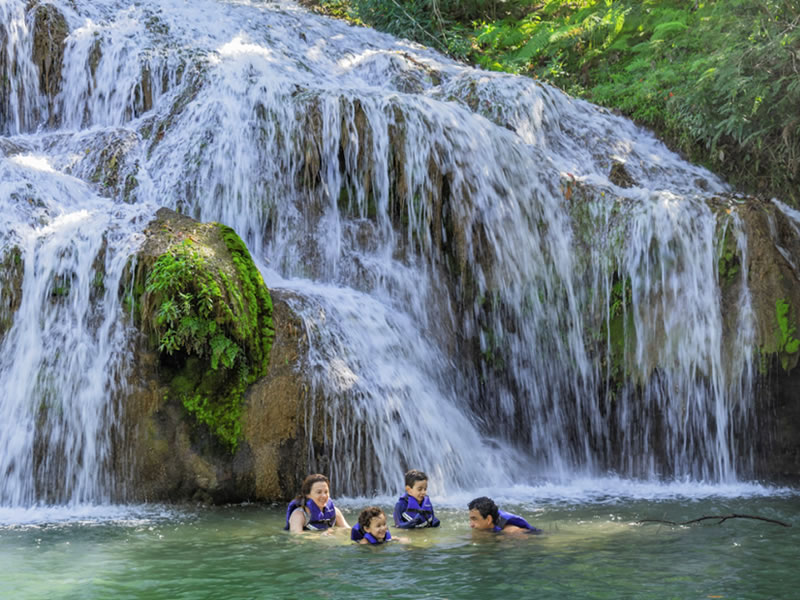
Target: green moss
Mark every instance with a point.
(728, 263)
(209, 314)
(618, 326)
(62, 284)
(131, 183)
(788, 344)
(254, 298)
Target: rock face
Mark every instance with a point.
(169, 454)
(172, 454)
(774, 279)
(175, 459)
(10, 286)
(50, 31)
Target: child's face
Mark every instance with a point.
(377, 527)
(418, 491)
(319, 493)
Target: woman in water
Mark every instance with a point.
(313, 509)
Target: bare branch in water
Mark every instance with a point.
(721, 520)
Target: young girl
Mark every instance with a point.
(371, 527)
(313, 509)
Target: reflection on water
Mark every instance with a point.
(590, 550)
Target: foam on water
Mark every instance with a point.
(127, 515)
(591, 491)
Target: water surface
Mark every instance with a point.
(593, 548)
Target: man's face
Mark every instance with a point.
(476, 521)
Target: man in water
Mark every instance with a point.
(485, 516)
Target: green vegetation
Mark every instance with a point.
(729, 261)
(718, 80)
(787, 343)
(209, 313)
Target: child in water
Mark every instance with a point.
(414, 508)
(371, 527)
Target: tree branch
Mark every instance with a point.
(721, 520)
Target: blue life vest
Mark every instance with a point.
(414, 509)
(509, 519)
(357, 534)
(319, 520)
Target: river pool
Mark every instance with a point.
(593, 548)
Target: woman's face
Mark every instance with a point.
(319, 494)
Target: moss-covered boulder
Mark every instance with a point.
(205, 308)
(276, 427)
(206, 418)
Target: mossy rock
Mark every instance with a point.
(619, 175)
(773, 246)
(12, 269)
(5, 80)
(169, 457)
(50, 31)
(203, 304)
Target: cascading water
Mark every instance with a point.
(456, 246)
(61, 360)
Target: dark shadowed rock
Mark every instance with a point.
(50, 31)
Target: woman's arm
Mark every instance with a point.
(340, 520)
(297, 521)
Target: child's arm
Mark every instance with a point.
(399, 519)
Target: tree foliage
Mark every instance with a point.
(719, 80)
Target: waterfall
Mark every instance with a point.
(62, 359)
(456, 244)
(20, 103)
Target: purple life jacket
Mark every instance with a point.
(509, 519)
(357, 534)
(414, 509)
(319, 520)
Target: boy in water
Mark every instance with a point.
(371, 527)
(414, 508)
(484, 515)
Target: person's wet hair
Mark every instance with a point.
(308, 483)
(485, 506)
(413, 476)
(367, 515)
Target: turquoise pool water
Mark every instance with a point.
(592, 549)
